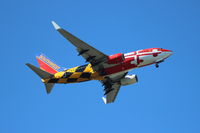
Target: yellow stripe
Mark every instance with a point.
(59, 74)
(72, 69)
(76, 75)
(88, 68)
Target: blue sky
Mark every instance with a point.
(165, 100)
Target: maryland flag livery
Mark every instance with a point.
(75, 75)
(111, 71)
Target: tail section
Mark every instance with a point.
(43, 75)
(47, 65)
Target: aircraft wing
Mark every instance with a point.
(111, 93)
(111, 87)
(90, 54)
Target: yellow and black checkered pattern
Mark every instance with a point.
(75, 75)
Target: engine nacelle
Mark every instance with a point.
(116, 58)
(129, 79)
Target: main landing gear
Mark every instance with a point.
(157, 65)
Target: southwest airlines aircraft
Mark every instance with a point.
(111, 71)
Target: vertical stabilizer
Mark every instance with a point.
(48, 65)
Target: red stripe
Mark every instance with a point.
(126, 65)
(46, 67)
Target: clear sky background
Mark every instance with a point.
(165, 100)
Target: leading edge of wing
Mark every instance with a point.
(88, 52)
(73, 39)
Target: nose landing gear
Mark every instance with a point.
(158, 62)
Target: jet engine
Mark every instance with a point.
(116, 58)
(129, 79)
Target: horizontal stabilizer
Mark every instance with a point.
(42, 74)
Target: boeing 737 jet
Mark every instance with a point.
(110, 70)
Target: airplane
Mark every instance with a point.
(110, 70)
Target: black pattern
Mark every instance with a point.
(85, 75)
(67, 75)
(53, 80)
(72, 80)
(81, 68)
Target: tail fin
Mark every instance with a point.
(43, 75)
(48, 65)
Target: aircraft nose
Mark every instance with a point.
(167, 52)
(171, 52)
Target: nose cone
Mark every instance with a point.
(167, 52)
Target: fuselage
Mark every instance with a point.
(131, 61)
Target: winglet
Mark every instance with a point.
(56, 26)
(104, 100)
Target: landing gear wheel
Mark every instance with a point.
(157, 65)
